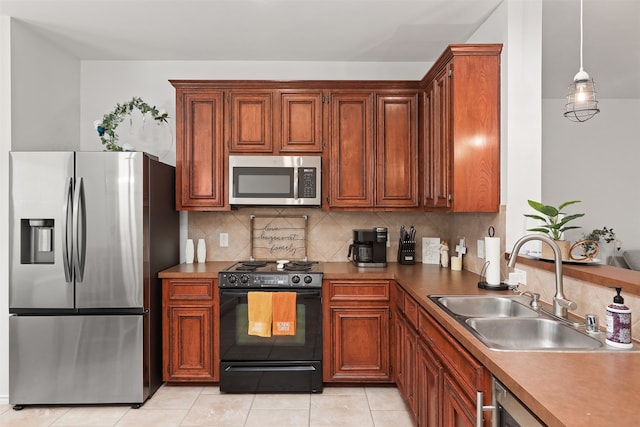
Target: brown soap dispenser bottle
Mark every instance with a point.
(618, 322)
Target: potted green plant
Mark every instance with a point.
(554, 223)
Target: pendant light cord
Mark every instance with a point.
(581, 34)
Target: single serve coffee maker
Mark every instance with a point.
(369, 247)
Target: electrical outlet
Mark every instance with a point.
(481, 249)
(224, 240)
(522, 279)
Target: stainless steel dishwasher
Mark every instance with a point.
(508, 411)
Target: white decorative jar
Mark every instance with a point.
(202, 250)
(189, 252)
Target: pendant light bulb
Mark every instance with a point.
(581, 101)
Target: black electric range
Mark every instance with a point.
(271, 274)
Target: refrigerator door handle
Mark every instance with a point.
(79, 230)
(67, 226)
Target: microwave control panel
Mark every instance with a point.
(307, 183)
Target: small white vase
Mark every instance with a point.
(202, 251)
(189, 252)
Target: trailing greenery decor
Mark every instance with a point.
(593, 238)
(554, 220)
(110, 121)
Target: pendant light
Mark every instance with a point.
(581, 101)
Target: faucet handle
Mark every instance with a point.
(565, 303)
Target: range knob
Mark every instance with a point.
(308, 279)
(295, 279)
(244, 279)
(232, 279)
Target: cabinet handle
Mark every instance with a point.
(481, 408)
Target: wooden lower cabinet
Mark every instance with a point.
(190, 330)
(437, 377)
(356, 331)
(429, 378)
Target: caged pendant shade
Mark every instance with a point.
(581, 101)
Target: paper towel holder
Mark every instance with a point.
(482, 284)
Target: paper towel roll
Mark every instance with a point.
(492, 256)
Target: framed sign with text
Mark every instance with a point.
(276, 237)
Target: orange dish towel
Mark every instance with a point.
(284, 313)
(260, 313)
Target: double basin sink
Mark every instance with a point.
(508, 323)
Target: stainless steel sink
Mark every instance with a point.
(485, 306)
(530, 334)
(508, 323)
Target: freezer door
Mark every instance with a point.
(76, 360)
(40, 246)
(111, 211)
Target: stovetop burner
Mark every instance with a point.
(249, 265)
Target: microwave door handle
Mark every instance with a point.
(67, 226)
(295, 183)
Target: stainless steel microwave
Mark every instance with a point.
(275, 180)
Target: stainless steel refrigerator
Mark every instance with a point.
(89, 232)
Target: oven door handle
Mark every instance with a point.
(269, 368)
(243, 292)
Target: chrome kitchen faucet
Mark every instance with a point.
(560, 303)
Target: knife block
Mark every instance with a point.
(407, 252)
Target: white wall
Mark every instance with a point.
(597, 162)
(45, 100)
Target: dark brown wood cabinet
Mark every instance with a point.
(356, 331)
(300, 121)
(374, 150)
(250, 122)
(200, 154)
(190, 331)
(437, 377)
(397, 151)
(462, 130)
(351, 160)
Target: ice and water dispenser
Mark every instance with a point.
(36, 242)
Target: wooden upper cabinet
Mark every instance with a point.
(301, 122)
(351, 159)
(462, 136)
(250, 122)
(439, 143)
(200, 174)
(396, 151)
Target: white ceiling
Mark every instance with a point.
(336, 30)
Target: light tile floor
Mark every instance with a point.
(182, 406)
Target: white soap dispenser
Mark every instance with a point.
(618, 322)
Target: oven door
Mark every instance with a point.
(237, 345)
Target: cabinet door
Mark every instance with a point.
(250, 122)
(457, 411)
(396, 151)
(409, 364)
(351, 162)
(429, 387)
(360, 344)
(440, 148)
(200, 150)
(301, 122)
(191, 344)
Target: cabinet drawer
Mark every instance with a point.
(197, 289)
(358, 290)
(467, 371)
(411, 310)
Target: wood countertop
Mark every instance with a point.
(578, 389)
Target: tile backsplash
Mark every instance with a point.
(330, 233)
